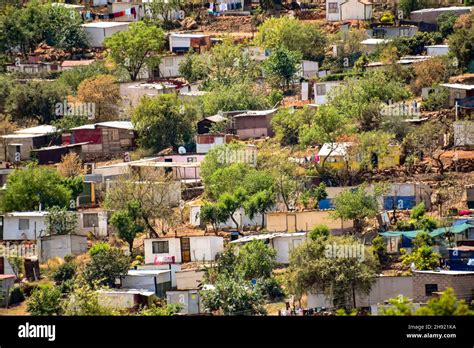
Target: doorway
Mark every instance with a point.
(185, 250)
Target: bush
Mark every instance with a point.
(45, 300)
(319, 231)
(16, 295)
(105, 266)
(96, 248)
(436, 100)
(272, 289)
(65, 272)
(387, 17)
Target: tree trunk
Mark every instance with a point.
(263, 219)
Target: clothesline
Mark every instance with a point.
(128, 12)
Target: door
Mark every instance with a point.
(291, 223)
(2, 265)
(1, 227)
(185, 250)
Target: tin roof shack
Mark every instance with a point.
(382, 31)
(427, 284)
(169, 65)
(6, 284)
(62, 245)
(282, 243)
(384, 288)
(286, 221)
(205, 125)
(104, 138)
(156, 280)
(24, 140)
(26, 225)
(430, 15)
(403, 196)
(183, 42)
(206, 142)
(99, 31)
(254, 124)
(132, 92)
(33, 68)
(437, 50)
(342, 10)
(186, 173)
(183, 249)
(189, 300)
(54, 154)
(458, 92)
(121, 299)
(461, 258)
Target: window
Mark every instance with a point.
(23, 224)
(168, 61)
(114, 135)
(333, 7)
(90, 220)
(321, 89)
(430, 288)
(192, 159)
(404, 32)
(161, 247)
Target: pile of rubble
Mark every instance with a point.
(46, 53)
(222, 24)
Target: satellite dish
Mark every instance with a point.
(181, 150)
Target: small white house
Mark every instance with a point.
(437, 50)
(169, 65)
(125, 298)
(282, 243)
(28, 225)
(344, 10)
(99, 31)
(182, 249)
(62, 245)
(94, 221)
(370, 45)
(321, 91)
(183, 42)
(309, 69)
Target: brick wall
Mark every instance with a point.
(463, 284)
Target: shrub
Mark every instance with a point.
(387, 17)
(16, 295)
(272, 289)
(96, 248)
(319, 231)
(45, 300)
(65, 272)
(436, 100)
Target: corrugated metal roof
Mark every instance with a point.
(334, 149)
(110, 124)
(268, 236)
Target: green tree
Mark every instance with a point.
(213, 213)
(281, 66)
(408, 6)
(446, 22)
(373, 144)
(256, 260)
(73, 77)
(380, 249)
(231, 202)
(161, 12)
(136, 48)
(294, 35)
(460, 42)
(60, 221)
(259, 203)
(30, 187)
(128, 222)
(314, 267)
(239, 96)
(164, 121)
(288, 124)
(105, 266)
(35, 100)
(356, 205)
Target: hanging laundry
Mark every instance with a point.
(134, 12)
(128, 12)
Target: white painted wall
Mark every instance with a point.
(100, 230)
(202, 248)
(204, 148)
(169, 65)
(97, 34)
(284, 245)
(189, 279)
(332, 17)
(437, 50)
(62, 245)
(11, 230)
(239, 216)
(144, 282)
(320, 99)
(355, 10)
